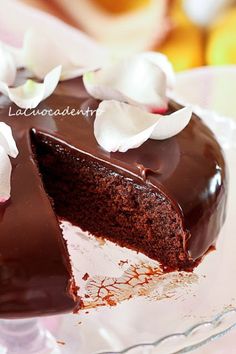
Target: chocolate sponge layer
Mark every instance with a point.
(89, 194)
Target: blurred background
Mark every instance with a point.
(191, 33)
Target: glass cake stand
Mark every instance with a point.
(25, 337)
(148, 312)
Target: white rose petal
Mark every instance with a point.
(120, 126)
(136, 80)
(7, 66)
(7, 148)
(7, 141)
(5, 176)
(42, 53)
(17, 54)
(171, 125)
(162, 62)
(31, 93)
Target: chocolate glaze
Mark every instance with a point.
(35, 274)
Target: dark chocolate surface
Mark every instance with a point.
(34, 271)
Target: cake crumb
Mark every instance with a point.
(85, 277)
(101, 241)
(61, 342)
(121, 263)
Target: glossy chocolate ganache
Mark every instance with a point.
(185, 175)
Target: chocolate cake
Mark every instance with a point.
(165, 199)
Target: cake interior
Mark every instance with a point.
(103, 202)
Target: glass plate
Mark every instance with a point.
(150, 312)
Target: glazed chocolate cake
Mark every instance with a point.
(165, 199)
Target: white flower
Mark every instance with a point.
(121, 126)
(44, 51)
(7, 148)
(130, 88)
(164, 64)
(7, 66)
(31, 93)
(141, 80)
(48, 60)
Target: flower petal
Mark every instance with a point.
(7, 141)
(135, 80)
(120, 126)
(7, 66)
(5, 176)
(164, 64)
(42, 53)
(170, 125)
(31, 93)
(17, 54)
